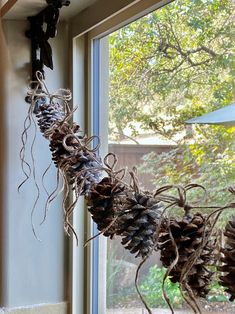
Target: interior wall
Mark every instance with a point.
(3, 61)
(33, 271)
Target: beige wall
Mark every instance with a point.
(31, 272)
(3, 61)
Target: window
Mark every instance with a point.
(148, 78)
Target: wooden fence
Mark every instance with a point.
(132, 155)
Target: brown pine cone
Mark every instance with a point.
(105, 201)
(77, 161)
(59, 153)
(187, 234)
(138, 226)
(227, 279)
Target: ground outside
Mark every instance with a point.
(217, 308)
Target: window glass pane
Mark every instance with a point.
(170, 66)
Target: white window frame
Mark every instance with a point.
(90, 89)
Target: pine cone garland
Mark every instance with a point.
(227, 279)
(119, 209)
(105, 202)
(187, 234)
(138, 226)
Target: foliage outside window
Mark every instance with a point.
(165, 68)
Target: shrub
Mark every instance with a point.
(151, 288)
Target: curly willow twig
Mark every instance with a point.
(28, 168)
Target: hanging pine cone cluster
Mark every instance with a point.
(187, 234)
(138, 225)
(69, 152)
(227, 278)
(118, 211)
(105, 203)
(138, 217)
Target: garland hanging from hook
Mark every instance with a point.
(140, 218)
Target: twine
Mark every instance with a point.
(41, 91)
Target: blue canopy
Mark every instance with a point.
(223, 116)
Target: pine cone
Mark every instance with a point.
(138, 226)
(187, 234)
(105, 202)
(227, 279)
(77, 159)
(59, 153)
(49, 114)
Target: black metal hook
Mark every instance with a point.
(41, 51)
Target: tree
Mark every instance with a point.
(167, 67)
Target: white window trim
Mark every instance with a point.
(105, 16)
(83, 41)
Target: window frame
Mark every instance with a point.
(93, 108)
